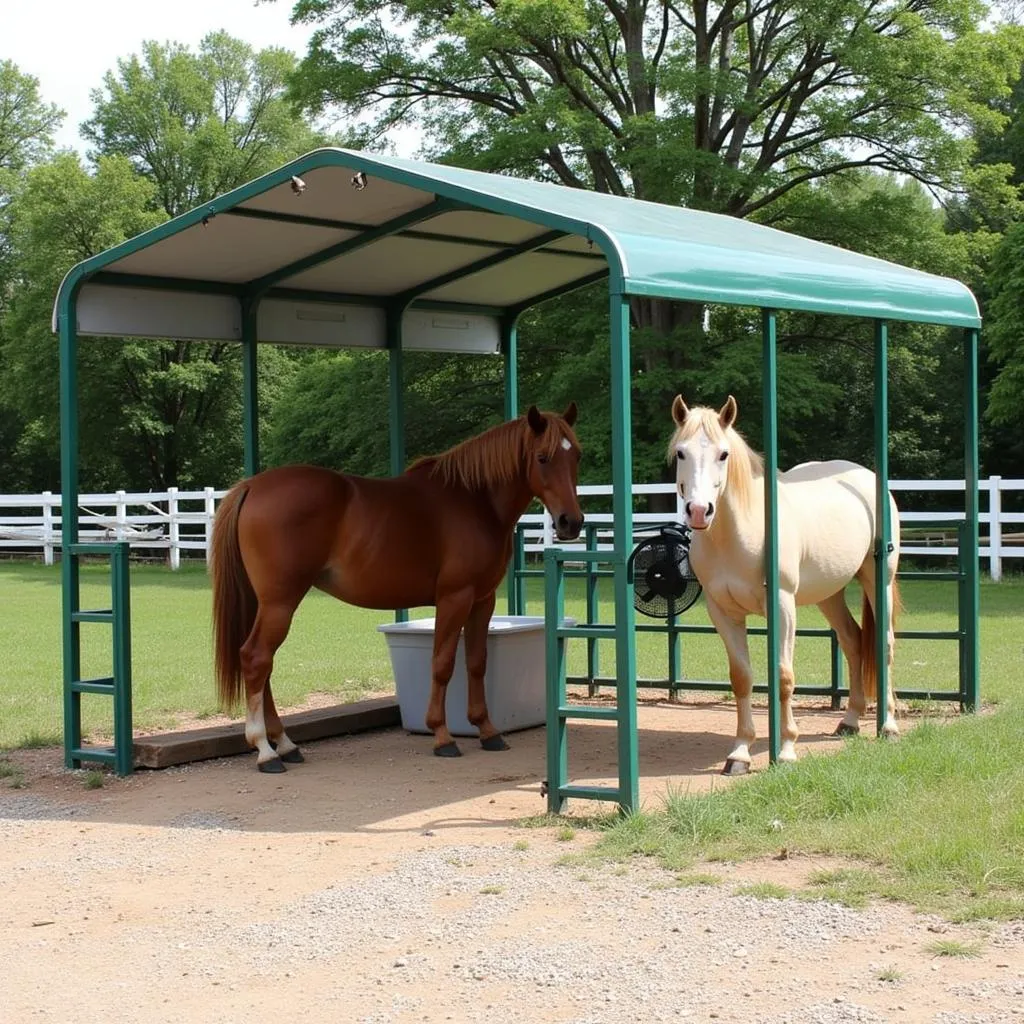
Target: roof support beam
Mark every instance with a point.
(554, 293)
(426, 236)
(494, 260)
(167, 284)
(394, 226)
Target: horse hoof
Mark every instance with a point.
(733, 767)
(495, 742)
(293, 757)
(271, 767)
(845, 729)
(447, 750)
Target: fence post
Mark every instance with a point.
(121, 516)
(48, 527)
(995, 527)
(209, 507)
(549, 531)
(175, 528)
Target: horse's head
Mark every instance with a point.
(700, 448)
(552, 467)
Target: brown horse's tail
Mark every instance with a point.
(234, 600)
(868, 658)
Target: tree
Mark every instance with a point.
(27, 125)
(199, 124)
(1005, 333)
(725, 107)
(152, 413)
(170, 130)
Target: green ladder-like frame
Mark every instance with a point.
(118, 685)
(623, 630)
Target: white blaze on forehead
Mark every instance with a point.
(566, 443)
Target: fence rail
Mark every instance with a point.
(180, 521)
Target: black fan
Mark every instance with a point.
(664, 584)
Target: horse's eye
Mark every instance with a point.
(723, 456)
(680, 455)
(542, 459)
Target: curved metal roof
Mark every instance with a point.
(378, 233)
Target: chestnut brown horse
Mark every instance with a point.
(440, 534)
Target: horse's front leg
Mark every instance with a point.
(787, 680)
(734, 635)
(452, 613)
(476, 668)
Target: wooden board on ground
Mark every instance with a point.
(171, 748)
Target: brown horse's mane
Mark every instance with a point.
(745, 465)
(497, 456)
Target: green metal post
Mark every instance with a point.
(837, 669)
(771, 534)
(593, 614)
(972, 583)
(674, 652)
(883, 527)
(557, 727)
(68, 327)
(510, 360)
(622, 508)
(396, 406)
(518, 591)
(962, 619)
(121, 609)
(250, 388)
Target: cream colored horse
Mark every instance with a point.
(826, 527)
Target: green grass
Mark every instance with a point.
(335, 649)
(851, 887)
(11, 774)
(332, 648)
(954, 948)
(890, 974)
(696, 879)
(938, 818)
(763, 891)
(93, 780)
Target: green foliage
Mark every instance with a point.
(27, 125)
(939, 812)
(1005, 333)
(723, 108)
(199, 124)
(171, 130)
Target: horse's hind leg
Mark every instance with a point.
(268, 632)
(734, 635)
(475, 632)
(787, 680)
(286, 748)
(839, 618)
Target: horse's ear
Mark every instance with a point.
(727, 414)
(570, 414)
(679, 411)
(538, 423)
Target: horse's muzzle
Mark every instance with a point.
(568, 528)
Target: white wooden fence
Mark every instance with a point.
(177, 521)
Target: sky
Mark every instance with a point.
(70, 44)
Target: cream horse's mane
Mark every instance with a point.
(744, 465)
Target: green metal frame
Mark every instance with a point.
(769, 377)
(457, 190)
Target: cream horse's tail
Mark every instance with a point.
(868, 649)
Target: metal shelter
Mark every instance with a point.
(343, 248)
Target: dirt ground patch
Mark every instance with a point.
(376, 883)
